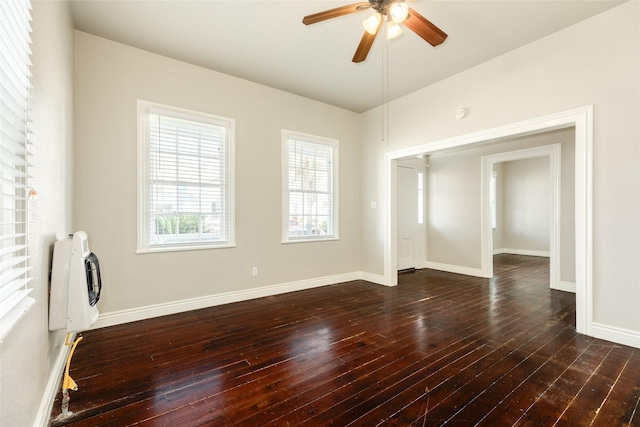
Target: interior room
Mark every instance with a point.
(543, 97)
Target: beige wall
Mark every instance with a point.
(526, 205)
(110, 77)
(29, 351)
(595, 62)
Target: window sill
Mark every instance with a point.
(183, 248)
(311, 240)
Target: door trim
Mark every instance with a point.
(551, 151)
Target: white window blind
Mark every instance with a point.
(188, 189)
(15, 73)
(310, 188)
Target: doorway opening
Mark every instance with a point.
(582, 120)
(550, 152)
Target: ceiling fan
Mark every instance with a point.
(394, 12)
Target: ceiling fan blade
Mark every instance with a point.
(365, 45)
(334, 13)
(424, 28)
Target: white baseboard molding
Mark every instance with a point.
(173, 307)
(616, 335)
(468, 271)
(528, 252)
(565, 286)
(53, 386)
(373, 278)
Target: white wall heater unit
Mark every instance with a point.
(75, 285)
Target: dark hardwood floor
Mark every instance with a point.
(437, 349)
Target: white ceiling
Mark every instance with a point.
(264, 41)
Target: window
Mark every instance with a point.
(185, 179)
(310, 188)
(14, 162)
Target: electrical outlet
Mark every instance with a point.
(254, 271)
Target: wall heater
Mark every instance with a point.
(75, 285)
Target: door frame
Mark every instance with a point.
(419, 256)
(582, 120)
(551, 151)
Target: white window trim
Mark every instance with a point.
(286, 135)
(143, 173)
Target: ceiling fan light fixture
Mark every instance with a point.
(371, 23)
(391, 12)
(399, 12)
(393, 30)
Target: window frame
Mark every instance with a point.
(288, 135)
(144, 203)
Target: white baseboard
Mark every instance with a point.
(528, 252)
(373, 278)
(53, 386)
(614, 334)
(421, 264)
(565, 286)
(469, 271)
(173, 307)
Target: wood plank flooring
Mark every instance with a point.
(438, 349)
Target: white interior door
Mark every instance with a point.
(407, 217)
